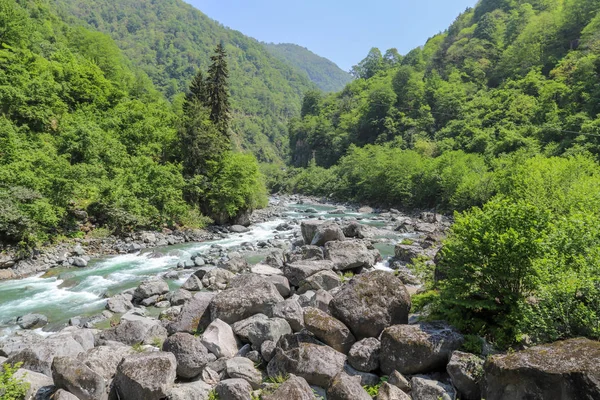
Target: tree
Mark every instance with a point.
(370, 66)
(217, 90)
(197, 91)
(391, 58)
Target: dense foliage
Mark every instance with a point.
(82, 129)
(170, 40)
(12, 388)
(328, 76)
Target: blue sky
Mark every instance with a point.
(343, 31)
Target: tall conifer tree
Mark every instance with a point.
(218, 91)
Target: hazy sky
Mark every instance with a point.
(343, 31)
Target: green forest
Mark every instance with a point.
(495, 119)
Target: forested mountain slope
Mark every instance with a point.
(326, 74)
(170, 40)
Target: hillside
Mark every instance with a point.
(169, 40)
(323, 72)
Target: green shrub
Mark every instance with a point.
(10, 387)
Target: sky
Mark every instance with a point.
(342, 31)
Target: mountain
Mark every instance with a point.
(323, 72)
(170, 40)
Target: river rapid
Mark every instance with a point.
(63, 293)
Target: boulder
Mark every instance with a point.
(391, 392)
(104, 360)
(267, 350)
(238, 229)
(299, 271)
(77, 378)
(131, 332)
(309, 252)
(119, 304)
(38, 382)
(406, 252)
(179, 297)
(197, 390)
(150, 287)
(85, 337)
(327, 232)
(220, 340)
(281, 284)
(356, 230)
(309, 229)
(190, 353)
(349, 254)
(466, 371)
(259, 327)
(262, 269)
(325, 280)
(233, 389)
(303, 356)
(243, 368)
(235, 265)
(398, 380)
(291, 311)
(239, 303)
(328, 329)
(79, 262)
(61, 394)
(346, 387)
(371, 302)
(194, 315)
(416, 349)
(145, 376)
(193, 284)
(38, 358)
(217, 279)
(32, 321)
(570, 368)
(275, 259)
(294, 388)
(427, 389)
(364, 355)
(366, 378)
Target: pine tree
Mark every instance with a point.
(217, 90)
(197, 92)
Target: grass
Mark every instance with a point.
(346, 276)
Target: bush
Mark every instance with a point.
(10, 387)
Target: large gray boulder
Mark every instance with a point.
(325, 280)
(427, 389)
(305, 357)
(417, 349)
(150, 287)
(233, 389)
(309, 229)
(569, 369)
(119, 304)
(391, 392)
(299, 271)
(364, 355)
(193, 284)
(346, 387)
(61, 394)
(371, 302)
(327, 232)
(18, 341)
(104, 360)
(281, 284)
(146, 376)
(294, 388)
(259, 328)
(349, 254)
(77, 378)
(407, 252)
(32, 321)
(38, 382)
(196, 390)
(85, 337)
(217, 279)
(235, 265)
(239, 303)
(328, 329)
(132, 332)
(179, 297)
(292, 312)
(194, 315)
(220, 340)
(466, 371)
(190, 353)
(243, 368)
(38, 358)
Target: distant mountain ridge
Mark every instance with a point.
(323, 72)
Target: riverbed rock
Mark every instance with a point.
(281, 284)
(327, 232)
(179, 297)
(220, 340)
(239, 303)
(233, 389)
(328, 329)
(325, 280)
(391, 392)
(349, 254)
(259, 327)
(146, 376)
(420, 348)
(294, 388)
(85, 337)
(371, 302)
(39, 357)
(309, 229)
(407, 252)
(346, 387)
(119, 304)
(364, 355)
(196, 390)
(217, 279)
(243, 368)
(190, 353)
(238, 229)
(292, 312)
(104, 360)
(357, 231)
(427, 389)
(303, 356)
(466, 371)
(61, 394)
(150, 287)
(79, 262)
(194, 315)
(38, 383)
(235, 265)
(131, 332)
(570, 368)
(299, 271)
(32, 321)
(398, 380)
(262, 269)
(77, 378)
(193, 284)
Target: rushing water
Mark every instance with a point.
(64, 293)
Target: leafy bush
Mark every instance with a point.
(10, 387)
